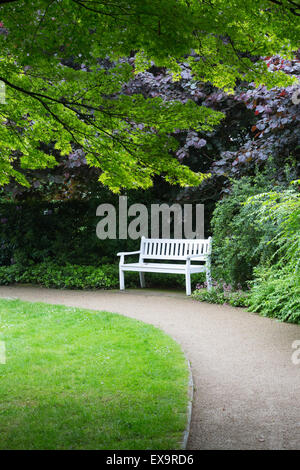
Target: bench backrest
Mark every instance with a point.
(156, 248)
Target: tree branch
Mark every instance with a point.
(63, 102)
(2, 2)
(292, 10)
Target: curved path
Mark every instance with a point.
(247, 388)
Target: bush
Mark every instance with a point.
(257, 243)
(275, 292)
(239, 242)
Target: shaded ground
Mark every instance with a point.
(247, 388)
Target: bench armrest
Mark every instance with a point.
(129, 253)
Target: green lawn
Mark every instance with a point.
(80, 379)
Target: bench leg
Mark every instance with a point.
(142, 279)
(208, 277)
(188, 283)
(122, 279)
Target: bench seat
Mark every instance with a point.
(159, 267)
(165, 252)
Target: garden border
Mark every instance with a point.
(189, 407)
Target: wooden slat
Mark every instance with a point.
(173, 248)
(181, 249)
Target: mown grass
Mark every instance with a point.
(79, 379)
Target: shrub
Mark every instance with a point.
(275, 292)
(257, 239)
(239, 242)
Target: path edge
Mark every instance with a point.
(189, 408)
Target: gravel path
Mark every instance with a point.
(247, 389)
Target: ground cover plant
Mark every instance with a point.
(79, 379)
(221, 293)
(69, 276)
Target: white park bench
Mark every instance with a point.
(169, 250)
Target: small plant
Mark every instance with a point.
(221, 293)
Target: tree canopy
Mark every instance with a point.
(65, 67)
